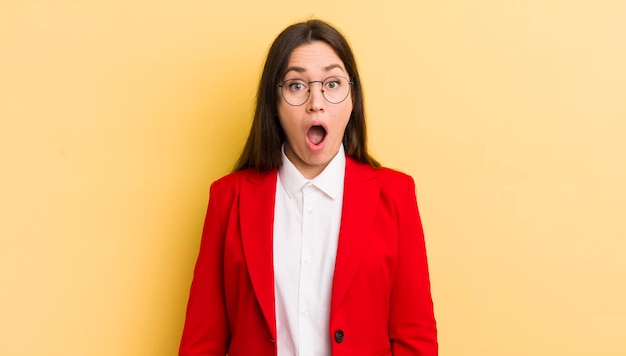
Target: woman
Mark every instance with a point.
(309, 247)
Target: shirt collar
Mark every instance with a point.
(329, 181)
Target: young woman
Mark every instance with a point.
(310, 247)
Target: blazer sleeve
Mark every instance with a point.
(412, 327)
(206, 326)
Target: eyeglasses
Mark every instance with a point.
(296, 92)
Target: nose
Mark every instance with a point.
(316, 100)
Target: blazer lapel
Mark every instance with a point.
(256, 203)
(361, 191)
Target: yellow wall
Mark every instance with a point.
(117, 115)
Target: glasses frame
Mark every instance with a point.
(282, 85)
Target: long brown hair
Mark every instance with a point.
(263, 147)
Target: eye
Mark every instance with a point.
(333, 83)
(296, 85)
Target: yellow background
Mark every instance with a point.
(117, 115)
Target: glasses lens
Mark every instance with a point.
(336, 89)
(295, 91)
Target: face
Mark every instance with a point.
(314, 130)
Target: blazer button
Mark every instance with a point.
(339, 336)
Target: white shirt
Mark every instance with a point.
(306, 229)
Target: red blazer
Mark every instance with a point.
(380, 304)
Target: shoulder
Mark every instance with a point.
(233, 181)
(395, 185)
(392, 176)
(390, 179)
(230, 180)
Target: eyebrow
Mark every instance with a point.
(302, 70)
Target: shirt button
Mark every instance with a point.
(307, 260)
(305, 312)
(309, 210)
(339, 336)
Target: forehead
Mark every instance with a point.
(314, 56)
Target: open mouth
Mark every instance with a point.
(316, 134)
